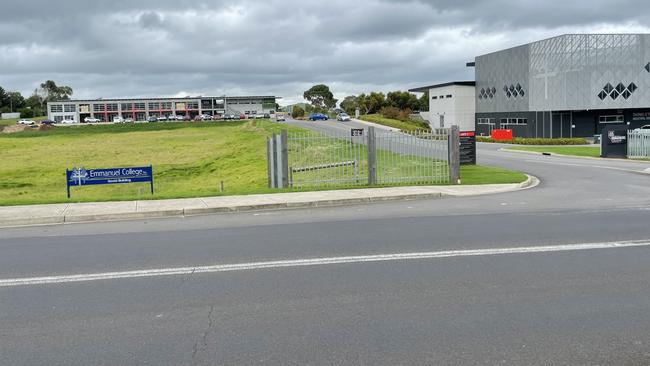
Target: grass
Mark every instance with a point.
(591, 151)
(189, 159)
(395, 123)
(477, 174)
(8, 122)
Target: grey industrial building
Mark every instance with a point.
(140, 109)
(567, 86)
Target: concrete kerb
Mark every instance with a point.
(263, 206)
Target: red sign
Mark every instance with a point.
(501, 135)
(467, 134)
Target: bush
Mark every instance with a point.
(396, 113)
(537, 141)
(26, 113)
(297, 112)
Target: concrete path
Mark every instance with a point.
(376, 125)
(109, 211)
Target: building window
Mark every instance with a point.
(611, 119)
(154, 105)
(98, 107)
(56, 108)
(192, 105)
(486, 121)
(139, 106)
(442, 97)
(84, 108)
(166, 105)
(127, 106)
(619, 91)
(70, 108)
(514, 121)
(434, 97)
(111, 107)
(647, 67)
(448, 96)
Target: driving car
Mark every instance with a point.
(343, 117)
(68, 121)
(318, 117)
(280, 117)
(91, 120)
(25, 122)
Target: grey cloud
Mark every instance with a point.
(108, 48)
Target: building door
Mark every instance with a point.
(442, 121)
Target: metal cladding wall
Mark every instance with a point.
(568, 72)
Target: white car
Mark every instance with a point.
(162, 118)
(91, 120)
(280, 117)
(343, 117)
(25, 122)
(128, 120)
(68, 121)
(118, 120)
(259, 115)
(180, 118)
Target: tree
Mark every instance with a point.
(15, 100)
(49, 91)
(3, 97)
(349, 104)
(402, 100)
(424, 102)
(320, 96)
(35, 102)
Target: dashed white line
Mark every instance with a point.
(48, 280)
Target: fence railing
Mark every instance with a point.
(340, 159)
(638, 144)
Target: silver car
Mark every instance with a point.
(343, 117)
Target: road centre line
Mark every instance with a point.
(60, 279)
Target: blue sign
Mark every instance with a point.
(86, 177)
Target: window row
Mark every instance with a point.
(513, 121)
(612, 119)
(619, 91)
(486, 121)
(448, 96)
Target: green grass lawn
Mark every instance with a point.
(7, 122)
(591, 151)
(477, 174)
(395, 123)
(189, 160)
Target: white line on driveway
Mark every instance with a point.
(14, 282)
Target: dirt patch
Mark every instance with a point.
(14, 128)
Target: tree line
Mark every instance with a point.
(36, 104)
(322, 100)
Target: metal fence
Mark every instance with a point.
(361, 157)
(638, 144)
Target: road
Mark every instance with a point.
(475, 288)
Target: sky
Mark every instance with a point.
(144, 48)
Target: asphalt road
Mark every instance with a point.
(556, 307)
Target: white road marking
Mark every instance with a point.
(14, 282)
(586, 166)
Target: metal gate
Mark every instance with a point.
(638, 144)
(309, 159)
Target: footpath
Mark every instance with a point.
(129, 210)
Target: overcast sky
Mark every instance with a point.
(134, 48)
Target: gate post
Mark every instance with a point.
(284, 153)
(372, 157)
(269, 162)
(454, 155)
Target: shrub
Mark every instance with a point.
(297, 112)
(537, 141)
(26, 113)
(390, 112)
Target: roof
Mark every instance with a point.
(426, 88)
(567, 35)
(167, 98)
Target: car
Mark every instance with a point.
(198, 119)
(118, 119)
(47, 122)
(258, 115)
(91, 120)
(230, 116)
(128, 120)
(152, 119)
(205, 117)
(179, 118)
(68, 121)
(343, 117)
(280, 117)
(161, 118)
(25, 122)
(644, 127)
(318, 117)
(242, 116)
(217, 117)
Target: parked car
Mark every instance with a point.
(91, 120)
(266, 115)
(198, 119)
(242, 116)
(205, 117)
(318, 117)
(128, 120)
(47, 122)
(25, 122)
(161, 118)
(217, 117)
(152, 119)
(280, 117)
(343, 117)
(179, 118)
(68, 122)
(258, 115)
(118, 119)
(644, 127)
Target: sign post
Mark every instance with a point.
(613, 142)
(78, 177)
